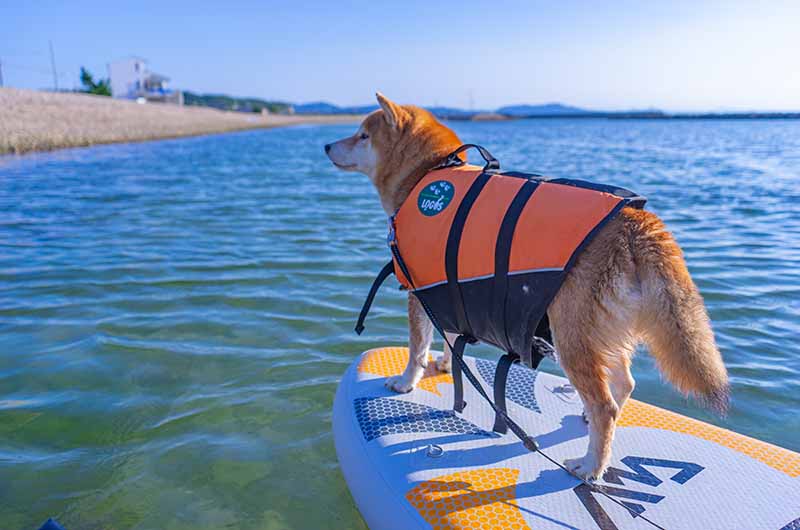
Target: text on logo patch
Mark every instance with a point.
(435, 197)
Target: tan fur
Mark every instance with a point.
(408, 151)
(629, 285)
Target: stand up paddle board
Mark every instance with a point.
(411, 462)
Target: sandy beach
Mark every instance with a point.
(43, 121)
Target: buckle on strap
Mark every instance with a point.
(385, 272)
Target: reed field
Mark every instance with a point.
(43, 121)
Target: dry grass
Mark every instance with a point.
(42, 121)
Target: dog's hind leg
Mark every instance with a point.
(420, 336)
(588, 376)
(620, 380)
(592, 322)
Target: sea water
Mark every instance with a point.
(175, 315)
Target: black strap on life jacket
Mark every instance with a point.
(502, 256)
(386, 271)
(451, 251)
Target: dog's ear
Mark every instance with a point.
(394, 113)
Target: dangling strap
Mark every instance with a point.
(501, 376)
(458, 380)
(387, 270)
(500, 379)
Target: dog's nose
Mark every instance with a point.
(327, 148)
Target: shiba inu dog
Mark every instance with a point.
(629, 285)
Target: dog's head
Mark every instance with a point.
(392, 145)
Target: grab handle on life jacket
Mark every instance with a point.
(492, 164)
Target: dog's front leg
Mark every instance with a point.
(420, 335)
(445, 362)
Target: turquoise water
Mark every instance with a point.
(175, 315)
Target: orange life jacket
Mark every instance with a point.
(486, 252)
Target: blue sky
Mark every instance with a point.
(612, 55)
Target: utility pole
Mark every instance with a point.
(1, 72)
(53, 66)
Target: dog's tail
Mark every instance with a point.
(673, 319)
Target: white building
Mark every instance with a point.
(132, 79)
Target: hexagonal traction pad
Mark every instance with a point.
(519, 386)
(379, 416)
(475, 499)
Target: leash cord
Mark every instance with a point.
(527, 441)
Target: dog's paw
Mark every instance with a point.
(398, 384)
(585, 467)
(444, 364)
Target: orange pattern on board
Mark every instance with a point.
(477, 499)
(392, 361)
(638, 414)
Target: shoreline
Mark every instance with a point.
(32, 121)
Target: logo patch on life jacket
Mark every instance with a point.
(435, 197)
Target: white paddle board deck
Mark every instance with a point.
(411, 462)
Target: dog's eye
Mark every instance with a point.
(364, 136)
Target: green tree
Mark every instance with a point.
(101, 88)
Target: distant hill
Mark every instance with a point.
(549, 109)
(224, 102)
(363, 109)
(452, 113)
(323, 107)
(317, 107)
